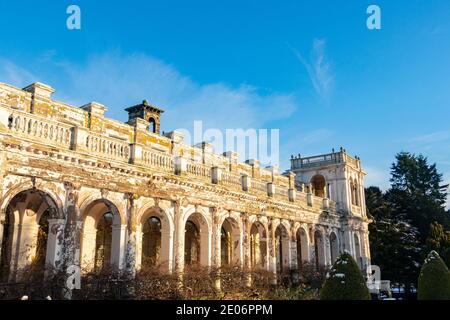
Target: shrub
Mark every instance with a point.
(345, 281)
(434, 279)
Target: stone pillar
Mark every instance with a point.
(270, 189)
(55, 243)
(130, 255)
(272, 255)
(294, 261)
(118, 245)
(180, 165)
(179, 238)
(216, 233)
(216, 175)
(246, 247)
(246, 183)
(292, 195)
(72, 231)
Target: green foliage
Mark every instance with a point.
(394, 242)
(439, 241)
(417, 193)
(345, 281)
(434, 279)
(399, 234)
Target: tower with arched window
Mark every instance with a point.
(147, 112)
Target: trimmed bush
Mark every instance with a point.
(345, 281)
(434, 279)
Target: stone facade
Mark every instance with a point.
(81, 190)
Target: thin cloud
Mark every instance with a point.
(319, 69)
(119, 81)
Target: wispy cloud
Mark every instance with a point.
(433, 137)
(119, 80)
(319, 69)
(13, 74)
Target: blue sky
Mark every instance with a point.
(310, 68)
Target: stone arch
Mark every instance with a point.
(319, 248)
(334, 246)
(230, 240)
(165, 248)
(48, 188)
(302, 241)
(25, 242)
(318, 183)
(197, 238)
(103, 236)
(282, 248)
(258, 232)
(87, 198)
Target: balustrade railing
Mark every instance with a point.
(198, 169)
(231, 178)
(34, 127)
(159, 160)
(108, 147)
(260, 186)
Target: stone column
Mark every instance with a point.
(246, 247)
(72, 231)
(179, 238)
(118, 245)
(55, 244)
(294, 250)
(130, 255)
(272, 256)
(216, 233)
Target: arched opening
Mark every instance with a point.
(25, 235)
(154, 247)
(302, 248)
(258, 246)
(230, 243)
(191, 244)
(334, 247)
(151, 242)
(152, 125)
(197, 240)
(318, 186)
(354, 192)
(319, 249)
(282, 248)
(102, 242)
(358, 256)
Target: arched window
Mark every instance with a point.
(152, 126)
(151, 242)
(103, 241)
(334, 247)
(191, 244)
(358, 256)
(258, 246)
(318, 185)
(225, 246)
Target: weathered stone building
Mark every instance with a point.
(81, 190)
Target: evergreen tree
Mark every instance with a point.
(434, 279)
(417, 193)
(394, 242)
(345, 281)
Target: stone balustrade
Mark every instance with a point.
(55, 133)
